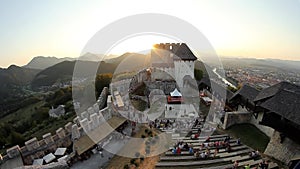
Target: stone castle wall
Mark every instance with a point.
(283, 151)
(265, 129)
(243, 116)
(63, 137)
(239, 117)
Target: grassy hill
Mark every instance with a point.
(63, 72)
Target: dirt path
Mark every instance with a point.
(118, 162)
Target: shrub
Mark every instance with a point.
(126, 166)
(132, 161)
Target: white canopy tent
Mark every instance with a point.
(49, 157)
(60, 151)
(39, 161)
(63, 158)
(175, 93)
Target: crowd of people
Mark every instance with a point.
(204, 151)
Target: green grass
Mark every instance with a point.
(22, 114)
(249, 135)
(140, 105)
(49, 127)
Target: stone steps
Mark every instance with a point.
(201, 138)
(191, 156)
(222, 160)
(222, 149)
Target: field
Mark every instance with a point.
(249, 135)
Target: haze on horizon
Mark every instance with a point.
(256, 29)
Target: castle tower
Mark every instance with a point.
(174, 58)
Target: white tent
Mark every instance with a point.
(49, 157)
(38, 161)
(176, 93)
(60, 151)
(207, 99)
(63, 158)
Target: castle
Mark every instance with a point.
(175, 59)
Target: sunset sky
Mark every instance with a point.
(61, 28)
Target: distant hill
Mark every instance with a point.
(42, 62)
(271, 64)
(63, 72)
(15, 77)
(130, 62)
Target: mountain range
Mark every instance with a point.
(45, 71)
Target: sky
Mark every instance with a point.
(249, 28)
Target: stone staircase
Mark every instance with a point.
(222, 160)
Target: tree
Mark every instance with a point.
(198, 74)
(16, 138)
(102, 80)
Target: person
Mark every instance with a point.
(257, 153)
(216, 152)
(101, 154)
(186, 146)
(253, 154)
(174, 150)
(247, 166)
(207, 152)
(178, 150)
(197, 154)
(262, 165)
(228, 148)
(266, 164)
(217, 144)
(238, 141)
(235, 164)
(207, 139)
(191, 151)
(203, 156)
(180, 145)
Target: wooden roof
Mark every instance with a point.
(283, 99)
(272, 90)
(247, 92)
(286, 104)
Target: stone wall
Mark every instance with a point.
(63, 137)
(243, 116)
(239, 117)
(55, 165)
(265, 129)
(282, 151)
(165, 86)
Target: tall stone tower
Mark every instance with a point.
(174, 58)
